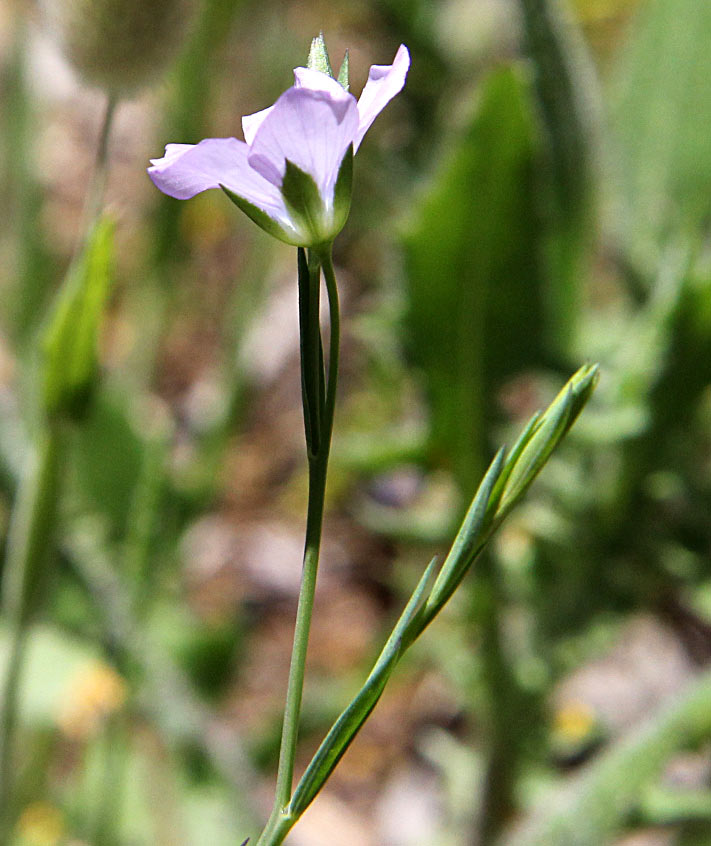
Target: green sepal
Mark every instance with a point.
(262, 219)
(303, 199)
(342, 192)
(318, 56)
(69, 341)
(343, 73)
(305, 205)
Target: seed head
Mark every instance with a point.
(118, 45)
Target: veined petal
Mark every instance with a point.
(303, 78)
(313, 128)
(384, 82)
(188, 169)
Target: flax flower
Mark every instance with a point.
(292, 173)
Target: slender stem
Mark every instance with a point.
(334, 346)
(280, 821)
(29, 544)
(95, 195)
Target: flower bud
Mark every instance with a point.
(118, 45)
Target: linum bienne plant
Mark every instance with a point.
(292, 175)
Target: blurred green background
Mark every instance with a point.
(537, 197)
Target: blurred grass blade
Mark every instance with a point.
(566, 86)
(660, 115)
(597, 804)
(349, 723)
(70, 339)
(473, 282)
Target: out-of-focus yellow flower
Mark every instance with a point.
(40, 824)
(97, 692)
(575, 731)
(574, 722)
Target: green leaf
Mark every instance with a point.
(318, 56)
(469, 541)
(69, 344)
(105, 458)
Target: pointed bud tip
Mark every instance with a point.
(318, 56)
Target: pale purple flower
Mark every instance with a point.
(310, 130)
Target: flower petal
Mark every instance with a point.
(251, 123)
(313, 128)
(384, 82)
(172, 151)
(316, 80)
(188, 169)
(303, 78)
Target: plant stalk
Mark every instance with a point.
(280, 821)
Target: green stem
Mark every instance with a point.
(281, 821)
(95, 195)
(29, 545)
(504, 717)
